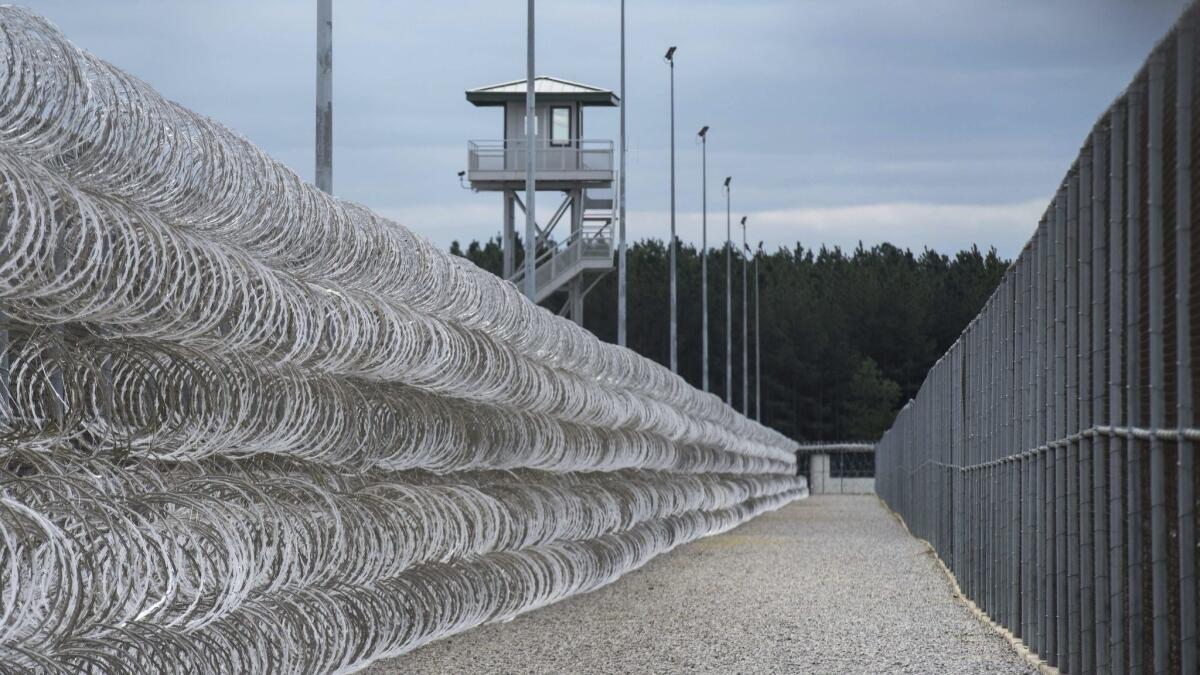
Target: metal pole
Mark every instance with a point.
(968, 482)
(1028, 507)
(1006, 587)
(958, 454)
(704, 255)
(1116, 389)
(757, 346)
(508, 237)
(983, 473)
(745, 327)
(1185, 415)
(530, 166)
(1061, 603)
(1070, 399)
(975, 547)
(987, 472)
(621, 267)
(1086, 629)
(1133, 381)
(1045, 433)
(1012, 443)
(728, 298)
(324, 147)
(674, 292)
(1034, 410)
(1158, 418)
(1099, 453)
(1000, 399)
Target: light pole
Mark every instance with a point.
(745, 327)
(530, 168)
(324, 145)
(670, 59)
(728, 299)
(621, 274)
(757, 344)
(704, 253)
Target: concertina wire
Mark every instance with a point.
(248, 427)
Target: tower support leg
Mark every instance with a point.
(575, 296)
(508, 235)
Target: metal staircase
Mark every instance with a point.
(588, 249)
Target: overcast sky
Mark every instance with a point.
(935, 123)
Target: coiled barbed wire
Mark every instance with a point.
(341, 626)
(201, 540)
(110, 134)
(247, 427)
(96, 261)
(177, 403)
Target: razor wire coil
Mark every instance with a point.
(248, 427)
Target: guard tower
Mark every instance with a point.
(582, 170)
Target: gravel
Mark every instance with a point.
(829, 584)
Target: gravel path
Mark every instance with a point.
(827, 584)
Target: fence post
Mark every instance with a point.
(1186, 495)
(1045, 433)
(977, 450)
(1028, 446)
(1099, 442)
(957, 449)
(1158, 510)
(1133, 411)
(994, 499)
(1086, 629)
(1116, 386)
(1061, 605)
(983, 420)
(999, 456)
(969, 489)
(1071, 414)
(1012, 449)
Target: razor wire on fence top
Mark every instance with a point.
(1049, 457)
(247, 427)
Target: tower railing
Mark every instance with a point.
(509, 156)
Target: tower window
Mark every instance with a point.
(560, 125)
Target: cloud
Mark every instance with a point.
(881, 123)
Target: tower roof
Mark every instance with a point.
(544, 89)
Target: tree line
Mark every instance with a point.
(846, 337)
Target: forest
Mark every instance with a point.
(847, 337)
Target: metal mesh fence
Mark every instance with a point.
(1049, 456)
(852, 465)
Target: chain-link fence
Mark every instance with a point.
(846, 467)
(1049, 456)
